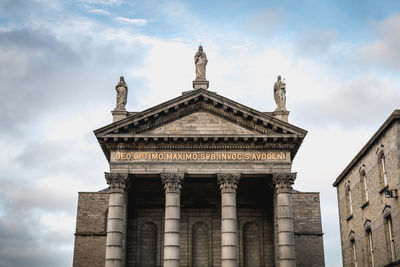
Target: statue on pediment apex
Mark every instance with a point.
(280, 94)
(200, 60)
(122, 94)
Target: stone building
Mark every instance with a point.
(199, 180)
(369, 208)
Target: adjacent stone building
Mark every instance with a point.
(199, 181)
(369, 208)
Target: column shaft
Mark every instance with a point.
(116, 220)
(286, 244)
(172, 185)
(229, 232)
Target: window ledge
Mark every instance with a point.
(393, 264)
(349, 218)
(365, 204)
(383, 189)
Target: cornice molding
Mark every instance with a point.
(132, 132)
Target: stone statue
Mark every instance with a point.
(200, 60)
(280, 94)
(122, 94)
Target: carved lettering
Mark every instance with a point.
(201, 156)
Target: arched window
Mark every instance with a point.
(369, 242)
(382, 167)
(363, 183)
(390, 244)
(353, 248)
(200, 245)
(148, 245)
(349, 201)
(251, 245)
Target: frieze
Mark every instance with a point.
(188, 146)
(215, 156)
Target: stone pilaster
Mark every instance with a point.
(172, 186)
(283, 189)
(116, 220)
(229, 232)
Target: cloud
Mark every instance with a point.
(361, 102)
(139, 22)
(99, 11)
(41, 73)
(267, 20)
(385, 51)
(102, 2)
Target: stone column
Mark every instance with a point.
(283, 189)
(229, 232)
(115, 254)
(172, 186)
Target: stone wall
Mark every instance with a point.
(308, 230)
(372, 209)
(90, 233)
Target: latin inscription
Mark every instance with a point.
(200, 156)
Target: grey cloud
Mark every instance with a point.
(24, 11)
(361, 103)
(21, 246)
(385, 51)
(41, 74)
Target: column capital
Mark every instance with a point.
(228, 181)
(172, 182)
(283, 181)
(118, 182)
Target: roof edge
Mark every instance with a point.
(394, 116)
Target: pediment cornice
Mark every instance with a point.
(135, 130)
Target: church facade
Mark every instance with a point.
(199, 180)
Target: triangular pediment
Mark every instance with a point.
(204, 102)
(201, 116)
(201, 123)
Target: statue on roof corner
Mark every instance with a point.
(200, 60)
(122, 94)
(280, 94)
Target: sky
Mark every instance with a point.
(60, 61)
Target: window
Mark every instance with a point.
(382, 167)
(363, 183)
(390, 245)
(370, 248)
(353, 249)
(349, 201)
(353, 245)
(383, 171)
(370, 244)
(389, 230)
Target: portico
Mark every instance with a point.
(201, 181)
